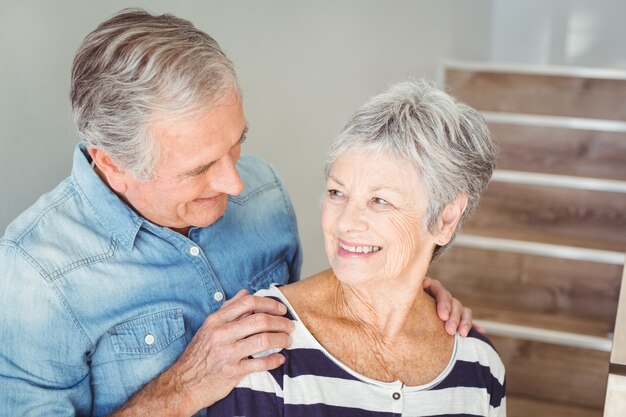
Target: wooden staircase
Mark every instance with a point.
(541, 260)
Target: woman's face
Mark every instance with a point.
(373, 218)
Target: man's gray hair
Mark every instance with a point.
(447, 141)
(136, 66)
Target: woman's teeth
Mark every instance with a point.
(359, 249)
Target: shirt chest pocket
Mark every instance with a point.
(146, 346)
(148, 334)
(276, 273)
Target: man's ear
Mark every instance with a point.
(449, 219)
(114, 175)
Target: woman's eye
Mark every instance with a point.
(380, 201)
(334, 193)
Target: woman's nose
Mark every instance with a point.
(352, 219)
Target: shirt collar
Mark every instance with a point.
(115, 215)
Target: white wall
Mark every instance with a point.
(560, 32)
(304, 65)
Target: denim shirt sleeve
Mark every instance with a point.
(38, 375)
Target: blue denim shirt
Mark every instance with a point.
(95, 301)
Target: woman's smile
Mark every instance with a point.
(356, 250)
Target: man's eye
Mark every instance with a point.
(334, 193)
(242, 140)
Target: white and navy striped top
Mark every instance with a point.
(312, 382)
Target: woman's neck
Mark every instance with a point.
(389, 309)
(387, 332)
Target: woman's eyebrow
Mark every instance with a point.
(335, 180)
(386, 188)
(374, 189)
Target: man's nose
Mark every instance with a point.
(226, 178)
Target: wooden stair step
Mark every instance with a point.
(554, 373)
(547, 214)
(517, 282)
(561, 151)
(560, 323)
(533, 93)
(519, 406)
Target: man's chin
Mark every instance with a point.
(208, 220)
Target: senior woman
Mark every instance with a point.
(403, 176)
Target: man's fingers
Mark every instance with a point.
(255, 324)
(245, 305)
(449, 309)
(452, 324)
(261, 342)
(237, 296)
(443, 298)
(427, 282)
(466, 321)
(263, 364)
(218, 356)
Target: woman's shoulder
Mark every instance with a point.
(296, 291)
(476, 349)
(477, 342)
(308, 293)
(305, 299)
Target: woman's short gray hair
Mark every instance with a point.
(447, 141)
(135, 66)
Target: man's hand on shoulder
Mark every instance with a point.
(217, 358)
(456, 317)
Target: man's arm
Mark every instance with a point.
(43, 366)
(217, 358)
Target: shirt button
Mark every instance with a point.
(218, 296)
(396, 396)
(194, 250)
(149, 339)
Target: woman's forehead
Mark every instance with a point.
(372, 161)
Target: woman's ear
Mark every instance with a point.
(108, 170)
(449, 219)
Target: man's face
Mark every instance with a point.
(196, 170)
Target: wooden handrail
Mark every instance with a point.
(562, 122)
(562, 181)
(615, 401)
(540, 249)
(618, 354)
(555, 337)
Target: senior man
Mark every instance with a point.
(123, 289)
